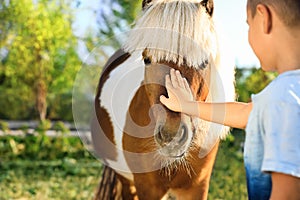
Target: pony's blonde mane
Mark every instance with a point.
(176, 31)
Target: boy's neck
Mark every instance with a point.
(288, 53)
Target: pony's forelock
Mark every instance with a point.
(168, 1)
(175, 31)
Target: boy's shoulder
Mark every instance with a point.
(283, 89)
(287, 87)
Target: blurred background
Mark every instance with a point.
(43, 45)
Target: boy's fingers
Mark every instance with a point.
(163, 99)
(186, 85)
(174, 78)
(168, 82)
(179, 79)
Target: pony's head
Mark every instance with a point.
(173, 131)
(180, 35)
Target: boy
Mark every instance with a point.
(272, 120)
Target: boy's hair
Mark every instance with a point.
(287, 10)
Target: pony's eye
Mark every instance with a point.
(204, 64)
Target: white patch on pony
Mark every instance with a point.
(175, 31)
(116, 96)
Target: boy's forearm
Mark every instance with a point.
(233, 114)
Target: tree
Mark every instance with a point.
(38, 50)
(115, 17)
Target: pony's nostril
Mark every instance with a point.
(165, 138)
(162, 137)
(183, 134)
(159, 136)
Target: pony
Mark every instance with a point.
(149, 151)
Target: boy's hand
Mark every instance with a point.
(179, 92)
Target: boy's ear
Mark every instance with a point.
(266, 16)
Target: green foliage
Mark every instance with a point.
(69, 178)
(118, 21)
(130, 9)
(41, 147)
(16, 102)
(228, 180)
(60, 127)
(42, 167)
(60, 106)
(4, 126)
(43, 126)
(24, 128)
(41, 58)
(52, 179)
(251, 81)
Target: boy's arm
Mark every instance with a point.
(285, 187)
(233, 114)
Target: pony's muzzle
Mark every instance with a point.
(170, 138)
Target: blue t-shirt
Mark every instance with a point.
(272, 141)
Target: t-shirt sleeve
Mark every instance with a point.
(281, 125)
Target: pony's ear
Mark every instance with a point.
(145, 4)
(209, 5)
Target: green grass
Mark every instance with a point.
(228, 180)
(45, 168)
(53, 179)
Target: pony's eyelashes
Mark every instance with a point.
(204, 64)
(208, 4)
(145, 4)
(148, 61)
